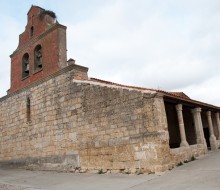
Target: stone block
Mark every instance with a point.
(73, 136)
(118, 165)
(140, 155)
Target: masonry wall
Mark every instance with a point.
(80, 126)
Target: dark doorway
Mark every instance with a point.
(173, 125)
(206, 134)
(206, 128)
(189, 125)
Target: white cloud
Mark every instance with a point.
(207, 91)
(150, 44)
(9, 42)
(171, 45)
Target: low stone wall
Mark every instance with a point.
(218, 143)
(57, 163)
(179, 155)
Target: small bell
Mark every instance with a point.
(27, 68)
(39, 58)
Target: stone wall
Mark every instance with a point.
(186, 154)
(84, 125)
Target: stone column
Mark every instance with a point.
(179, 109)
(218, 124)
(205, 143)
(198, 128)
(212, 138)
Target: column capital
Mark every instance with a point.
(208, 113)
(217, 114)
(179, 107)
(196, 110)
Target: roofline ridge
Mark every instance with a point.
(34, 6)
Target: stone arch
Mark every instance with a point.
(25, 66)
(38, 58)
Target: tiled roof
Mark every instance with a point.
(175, 95)
(180, 94)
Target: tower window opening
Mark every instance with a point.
(25, 66)
(32, 31)
(38, 55)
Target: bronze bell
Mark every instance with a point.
(27, 69)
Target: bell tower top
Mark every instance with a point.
(38, 21)
(41, 49)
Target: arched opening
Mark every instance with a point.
(25, 65)
(38, 62)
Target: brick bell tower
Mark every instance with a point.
(41, 50)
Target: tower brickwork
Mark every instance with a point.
(41, 50)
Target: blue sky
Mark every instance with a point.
(167, 44)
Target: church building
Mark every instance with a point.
(55, 117)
